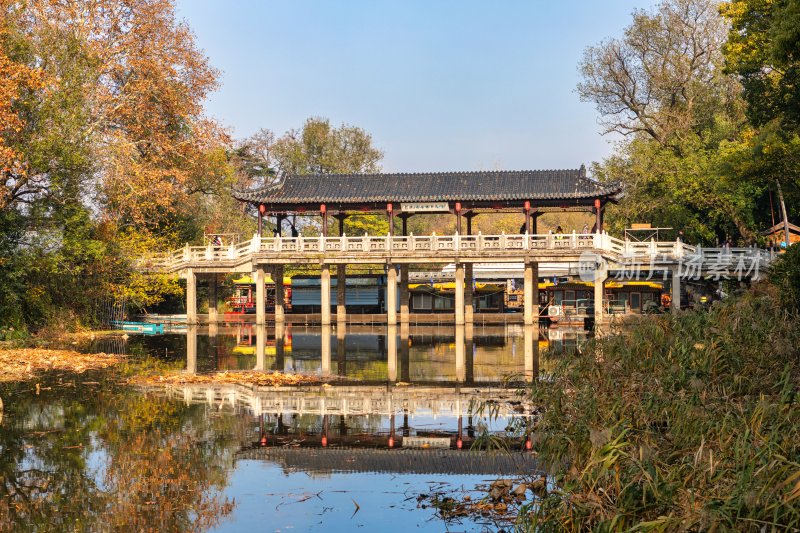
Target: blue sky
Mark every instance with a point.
(441, 85)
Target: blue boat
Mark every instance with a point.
(138, 327)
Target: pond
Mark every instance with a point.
(87, 452)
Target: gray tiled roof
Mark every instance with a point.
(501, 185)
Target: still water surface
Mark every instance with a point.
(89, 453)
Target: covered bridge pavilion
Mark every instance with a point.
(403, 195)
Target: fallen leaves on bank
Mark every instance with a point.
(19, 364)
(242, 377)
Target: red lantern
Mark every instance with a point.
(389, 207)
(391, 442)
(324, 441)
(527, 205)
(597, 203)
(458, 207)
(459, 444)
(322, 208)
(262, 208)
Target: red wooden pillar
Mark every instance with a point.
(261, 210)
(458, 217)
(324, 212)
(390, 214)
(528, 217)
(598, 215)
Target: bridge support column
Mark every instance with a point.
(277, 277)
(191, 349)
(341, 294)
(469, 305)
(600, 275)
(530, 293)
(191, 296)
(404, 314)
(675, 304)
(341, 352)
(213, 316)
(391, 352)
(261, 344)
(260, 295)
(325, 295)
(459, 295)
(461, 363)
(531, 351)
(326, 347)
(391, 295)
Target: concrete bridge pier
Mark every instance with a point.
(261, 296)
(191, 349)
(391, 295)
(391, 352)
(600, 275)
(675, 290)
(341, 351)
(403, 355)
(530, 293)
(191, 296)
(531, 340)
(404, 310)
(261, 343)
(280, 347)
(459, 290)
(326, 346)
(341, 292)
(213, 284)
(277, 277)
(469, 307)
(325, 296)
(461, 359)
(469, 353)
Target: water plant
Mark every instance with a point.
(684, 422)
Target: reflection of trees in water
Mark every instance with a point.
(78, 459)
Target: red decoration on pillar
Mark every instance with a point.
(597, 203)
(322, 208)
(262, 208)
(527, 205)
(458, 207)
(389, 207)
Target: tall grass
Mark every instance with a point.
(687, 422)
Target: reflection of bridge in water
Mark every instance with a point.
(326, 461)
(379, 355)
(349, 400)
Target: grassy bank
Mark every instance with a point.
(687, 422)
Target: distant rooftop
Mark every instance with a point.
(545, 186)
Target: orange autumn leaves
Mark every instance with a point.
(15, 79)
(143, 85)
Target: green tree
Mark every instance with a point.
(763, 50)
(317, 148)
(662, 87)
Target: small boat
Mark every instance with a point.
(138, 327)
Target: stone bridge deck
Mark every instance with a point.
(567, 248)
